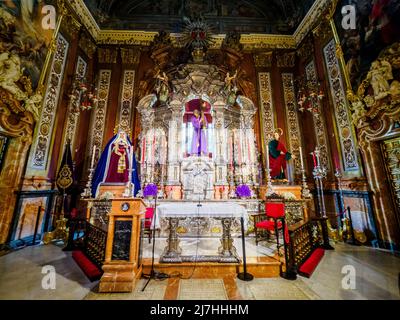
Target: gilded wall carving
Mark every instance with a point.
(130, 56)
(45, 128)
(87, 45)
(125, 112)
(73, 105)
(99, 113)
(263, 60)
(380, 90)
(107, 55)
(319, 125)
(267, 107)
(345, 130)
(18, 127)
(377, 114)
(391, 151)
(292, 120)
(306, 50)
(286, 60)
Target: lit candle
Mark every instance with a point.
(93, 155)
(240, 148)
(131, 156)
(153, 149)
(131, 162)
(336, 159)
(267, 158)
(301, 158)
(143, 148)
(314, 159)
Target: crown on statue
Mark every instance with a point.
(120, 127)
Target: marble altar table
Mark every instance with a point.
(224, 211)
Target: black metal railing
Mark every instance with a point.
(88, 238)
(95, 244)
(304, 238)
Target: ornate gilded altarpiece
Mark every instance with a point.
(391, 152)
(376, 114)
(17, 126)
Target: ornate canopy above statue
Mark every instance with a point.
(167, 135)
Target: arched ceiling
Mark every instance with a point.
(259, 16)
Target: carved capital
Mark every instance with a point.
(263, 60)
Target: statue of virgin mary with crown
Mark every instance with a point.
(115, 163)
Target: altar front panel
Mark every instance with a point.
(203, 220)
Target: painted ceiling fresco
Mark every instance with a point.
(261, 16)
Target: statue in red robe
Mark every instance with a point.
(118, 169)
(115, 163)
(278, 156)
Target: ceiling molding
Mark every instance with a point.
(252, 41)
(311, 18)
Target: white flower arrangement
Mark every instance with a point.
(288, 196)
(106, 195)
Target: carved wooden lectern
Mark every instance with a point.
(121, 266)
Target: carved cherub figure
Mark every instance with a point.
(230, 81)
(379, 74)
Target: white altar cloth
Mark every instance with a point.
(206, 209)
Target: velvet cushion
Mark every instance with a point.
(308, 267)
(275, 210)
(87, 266)
(148, 217)
(268, 225)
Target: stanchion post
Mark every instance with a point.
(244, 276)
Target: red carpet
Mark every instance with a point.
(87, 266)
(308, 267)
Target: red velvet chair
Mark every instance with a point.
(148, 217)
(274, 219)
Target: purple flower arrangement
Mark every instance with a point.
(150, 190)
(243, 191)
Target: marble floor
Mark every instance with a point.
(22, 274)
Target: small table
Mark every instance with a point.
(224, 211)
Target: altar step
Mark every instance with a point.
(259, 267)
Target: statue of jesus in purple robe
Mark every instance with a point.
(199, 140)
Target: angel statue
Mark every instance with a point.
(379, 74)
(230, 87)
(162, 86)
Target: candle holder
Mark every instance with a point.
(128, 188)
(342, 210)
(319, 173)
(87, 193)
(161, 193)
(232, 193)
(270, 190)
(305, 192)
